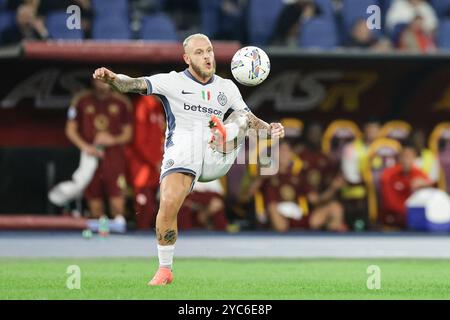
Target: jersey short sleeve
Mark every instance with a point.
(159, 83)
(75, 105)
(72, 113)
(236, 101)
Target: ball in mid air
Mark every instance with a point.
(250, 66)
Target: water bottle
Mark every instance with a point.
(87, 234)
(359, 225)
(103, 226)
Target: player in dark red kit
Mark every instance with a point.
(321, 174)
(99, 123)
(290, 200)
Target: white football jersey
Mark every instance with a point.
(188, 102)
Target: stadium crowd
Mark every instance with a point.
(342, 179)
(405, 25)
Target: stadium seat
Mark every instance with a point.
(439, 143)
(353, 10)
(158, 27)
(337, 135)
(326, 8)
(397, 129)
(383, 153)
(210, 16)
(110, 7)
(57, 27)
(7, 19)
(443, 36)
(293, 127)
(3, 4)
(318, 33)
(263, 16)
(442, 7)
(115, 28)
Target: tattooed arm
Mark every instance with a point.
(121, 82)
(276, 130)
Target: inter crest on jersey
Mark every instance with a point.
(222, 99)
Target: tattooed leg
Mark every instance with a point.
(167, 237)
(174, 189)
(159, 235)
(170, 236)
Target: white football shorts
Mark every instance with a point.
(197, 159)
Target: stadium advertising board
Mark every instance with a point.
(34, 101)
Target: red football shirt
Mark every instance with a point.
(317, 169)
(94, 115)
(396, 187)
(145, 152)
(149, 126)
(284, 186)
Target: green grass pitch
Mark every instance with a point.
(126, 278)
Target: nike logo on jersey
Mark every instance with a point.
(187, 92)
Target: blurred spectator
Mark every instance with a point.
(140, 9)
(288, 198)
(15, 4)
(288, 23)
(27, 27)
(241, 187)
(426, 160)
(99, 123)
(231, 20)
(144, 156)
(354, 160)
(415, 38)
(336, 136)
(320, 174)
(397, 184)
(293, 128)
(364, 38)
(204, 207)
(405, 11)
(185, 14)
(318, 169)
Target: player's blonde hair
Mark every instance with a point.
(192, 36)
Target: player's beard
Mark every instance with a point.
(204, 74)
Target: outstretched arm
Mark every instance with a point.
(121, 82)
(275, 129)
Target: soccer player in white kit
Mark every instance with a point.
(197, 145)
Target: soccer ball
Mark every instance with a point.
(250, 66)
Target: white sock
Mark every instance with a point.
(165, 255)
(232, 130)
